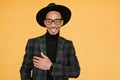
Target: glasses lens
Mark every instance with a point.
(56, 21)
(48, 21)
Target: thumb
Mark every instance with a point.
(43, 55)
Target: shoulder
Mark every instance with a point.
(65, 40)
(36, 39)
(68, 43)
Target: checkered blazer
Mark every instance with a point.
(66, 65)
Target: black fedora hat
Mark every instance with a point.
(65, 12)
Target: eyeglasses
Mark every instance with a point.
(56, 21)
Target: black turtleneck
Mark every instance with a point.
(51, 43)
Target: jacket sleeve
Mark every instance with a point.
(25, 71)
(72, 69)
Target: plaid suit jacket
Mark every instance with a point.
(66, 65)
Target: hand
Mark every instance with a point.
(43, 62)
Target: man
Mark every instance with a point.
(50, 57)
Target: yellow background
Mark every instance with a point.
(94, 29)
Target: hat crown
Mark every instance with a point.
(51, 4)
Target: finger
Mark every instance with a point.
(36, 64)
(35, 61)
(35, 57)
(44, 56)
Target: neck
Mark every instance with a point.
(52, 37)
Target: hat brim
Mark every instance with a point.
(65, 12)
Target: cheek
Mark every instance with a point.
(48, 27)
(58, 27)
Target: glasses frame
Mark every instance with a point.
(53, 20)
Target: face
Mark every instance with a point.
(53, 22)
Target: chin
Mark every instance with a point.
(53, 33)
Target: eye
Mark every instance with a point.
(48, 21)
(57, 21)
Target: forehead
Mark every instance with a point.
(53, 14)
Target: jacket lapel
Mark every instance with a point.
(59, 55)
(42, 41)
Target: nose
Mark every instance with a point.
(53, 24)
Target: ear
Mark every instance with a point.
(44, 22)
(62, 22)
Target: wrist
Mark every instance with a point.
(50, 66)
